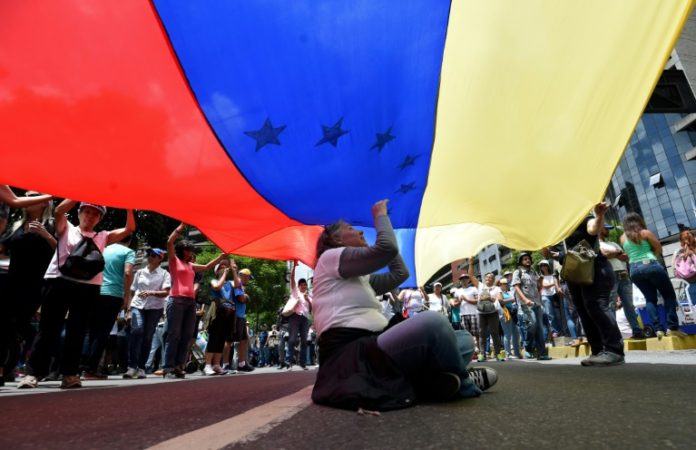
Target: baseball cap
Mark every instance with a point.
(437, 284)
(100, 208)
(245, 272)
(608, 226)
(464, 275)
(502, 281)
(507, 272)
(155, 251)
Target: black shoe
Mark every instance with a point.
(245, 368)
(179, 373)
(442, 387)
(638, 336)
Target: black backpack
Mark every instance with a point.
(84, 262)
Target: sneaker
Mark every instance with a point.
(28, 382)
(481, 358)
(219, 370)
(442, 387)
(640, 336)
(170, 376)
(141, 374)
(589, 361)
(660, 334)
(528, 355)
(676, 333)
(500, 357)
(606, 359)
(304, 368)
(544, 358)
(245, 368)
(208, 370)
(93, 376)
(71, 382)
(483, 377)
(130, 374)
(158, 372)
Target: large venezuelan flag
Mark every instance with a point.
(256, 121)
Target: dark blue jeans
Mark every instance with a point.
(593, 304)
(652, 278)
(533, 320)
(181, 321)
(298, 324)
(143, 324)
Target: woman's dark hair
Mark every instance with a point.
(182, 245)
(633, 224)
(302, 280)
(327, 239)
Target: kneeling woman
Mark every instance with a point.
(362, 365)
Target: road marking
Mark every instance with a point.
(242, 427)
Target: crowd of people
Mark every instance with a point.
(85, 287)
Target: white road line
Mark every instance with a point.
(244, 427)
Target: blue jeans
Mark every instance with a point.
(533, 320)
(143, 324)
(426, 344)
(181, 321)
(157, 345)
(511, 335)
(624, 289)
(570, 323)
(298, 324)
(552, 324)
(652, 278)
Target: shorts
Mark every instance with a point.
(240, 330)
(471, 324)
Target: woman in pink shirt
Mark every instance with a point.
(181, 306)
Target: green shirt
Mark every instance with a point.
(116, 256)
(638, 252)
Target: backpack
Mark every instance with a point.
(84, 262)
(684, 268)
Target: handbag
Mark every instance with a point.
(84, 262)
(289, 308)
(485, 305)
(579, 264)
(685, 268)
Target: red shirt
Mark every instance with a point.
(182, 278)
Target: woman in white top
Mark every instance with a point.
(67, 294)
(362, 365)
(437, 301)
(488, 305)
(550, 290)
(413, 300)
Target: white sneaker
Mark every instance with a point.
(219, 370)
(483, 377)
(130, 374)
(208, 370)
(660, 334)
(28, 382)
(141, 374)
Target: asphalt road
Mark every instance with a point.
(648, 403)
